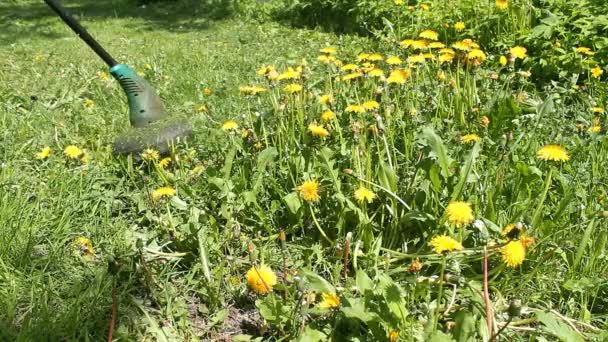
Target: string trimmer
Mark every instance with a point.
(152, 127)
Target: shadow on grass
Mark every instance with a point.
(28, 19)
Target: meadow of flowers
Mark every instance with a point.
(430, 183)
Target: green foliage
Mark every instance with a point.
(175, 235)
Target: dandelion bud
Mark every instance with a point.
(251, 250)
(282, 239)
(514, 308)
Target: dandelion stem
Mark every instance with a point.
(541, 200)
(314, 219)
(486, 294)
(439, 295)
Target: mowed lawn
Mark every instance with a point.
(47, 77)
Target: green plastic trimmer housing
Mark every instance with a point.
(152, 127)
(145, 106)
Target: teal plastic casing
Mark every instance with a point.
(145, 106)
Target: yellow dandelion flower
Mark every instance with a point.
(230, 125)
(163, 163)
(103, 75)
(597, 109)
(398, 2)
(406, 43)
(364, 195)
(326, 59)
(436, 45)
(44, 153)
(309, 190)
(207, 91)
(553, 152)
(88, 103)
(585, 51)
(469, 138)
(330, 301)
(595, 129)
(371, 104)
(289, 74)
(84, 246)
(328, 50)
(349, 67)
(459, 26)
(393, 336)
(163, 192)
(72, 152)
(363, 56)
(150, 154)
(477, 55)
(317, 131)
(484, 121)
(202, 108)
(328, 115)
(519, 52)
(429, 34)
(265, 70)
(502, 4)
(419, 58)
(352, 76)
(261, 279)
(375, 72)
(447, 51)
(460, 213)
(508, 229)
(326, 99)
(393, 60)
(398, 76)
(513, 253)
(375, 57)
(293, 88)
(503, 60)
(444, 243)
(419, 44)
(355, 109)
(251, 90)
(597, 71)
(446, 57)
(425, 7)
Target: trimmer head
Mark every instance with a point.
(152, 126)
(159, 135)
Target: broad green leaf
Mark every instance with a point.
(387, 177)
(464, 174)
(218, 318)
(464, 329)
(582, 246)
(356, 309)
(364, 283)
(438, 336)
(292, 200)
(227, 169)
(558, 328)
(439, 150)
(311, 335)
(317, 283)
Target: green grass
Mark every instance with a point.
(47, 73)
(178, 264)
